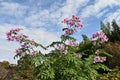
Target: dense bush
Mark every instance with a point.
(25, 69)
(3, 72)
(114, 50)
(8, 71)
(5, 64)
(69, 60)
(114, 75)
(112, 31)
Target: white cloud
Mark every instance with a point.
(38, 19)
(93, 10)
(55, 13)
(113, 15)
(71, 7)
(14, 9)
(100, 14)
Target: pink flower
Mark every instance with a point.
(62, 49)
(13, 35)
(65, 20)
(78, 55)
(68, 31)
(104, 38)
(97, 59)
(10, 38)
(73, 43)
(101, 36)
(32, 42)
(79, 25)
(20, 37)
(15, 30)
(73, 23)
(103, 59)
(19, 50)
(34, 53)
(25, 45)
(65, 51)
(76, 18)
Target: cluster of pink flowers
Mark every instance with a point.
(73, 24)
(62, 49)
(20, 37)
(15, 30)
(99, 59)
(13, 35)
(23, 48)
(79, 55)
(100, 35)
(74, 21)
(73, 43)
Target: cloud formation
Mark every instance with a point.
(12, 9)
(113, 15)
(98, 6)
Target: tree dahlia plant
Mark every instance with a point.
(69, 60)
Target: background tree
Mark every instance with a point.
(112, 31)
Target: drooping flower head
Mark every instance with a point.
(14, 35)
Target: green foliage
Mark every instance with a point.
(113, 47)
(67, 67)
(64, 38)
(5, 64)
(114, 50)
(114, 75)
(25, 69)
(56, 66)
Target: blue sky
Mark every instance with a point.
(41, 19)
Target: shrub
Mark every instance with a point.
(114, 50)
(69, 60)
(3, 73)
(114, 75)
(5, 64)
